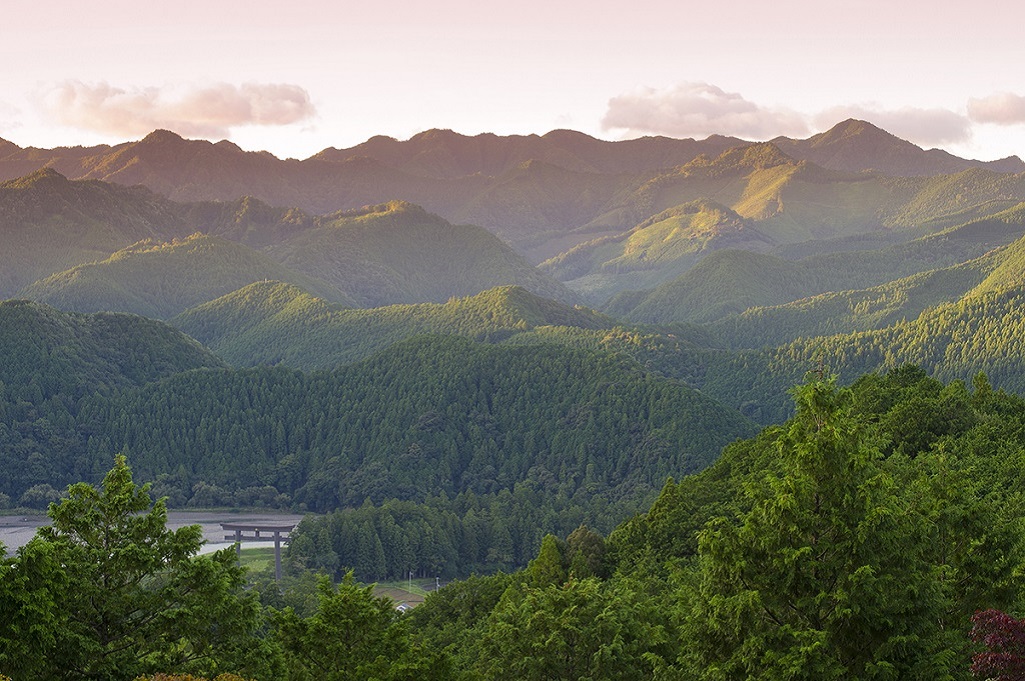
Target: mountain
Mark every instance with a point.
(63, 353)
(447, 154)
(543, 194)
(55, 361)
(275, 323)
(858, 146)
(48, 224)
(384, 254)
(196, 170)
(160, 279)
(400, 253)
(729, 282)
(660, 248)
(7, 148)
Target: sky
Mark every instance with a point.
(294, 78)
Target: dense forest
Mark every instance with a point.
(858, 540)
(448, 455)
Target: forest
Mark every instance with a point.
(876, 534)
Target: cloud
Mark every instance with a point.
(1002, 108)
(9, 116)
(702, 109)
(209, 111)
(925, 127)
(698, 110)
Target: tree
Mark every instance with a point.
(580, 629)
(108, 591)
(353, 636)
(824, 577)
(1004, 638)
(586, 553)
(549, 567)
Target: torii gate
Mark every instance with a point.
(277, 530)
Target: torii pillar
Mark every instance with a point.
(276, 530)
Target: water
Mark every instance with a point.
(16, 531)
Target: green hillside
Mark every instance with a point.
(863, 310)
(400, 253)
(54, 360)
(795, 200)
(49, 224)
(427, 416)
(275, 323)
(980, 332)
(660, 248)
(160, 280)
(849, 311)
(786, 206)
(729, 282)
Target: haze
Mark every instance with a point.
(295, 79)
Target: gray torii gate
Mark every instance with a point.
(273, 533)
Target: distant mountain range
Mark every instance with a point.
(90, 246)
(542, 194)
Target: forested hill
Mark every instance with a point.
(397, 252)
(730, 281)
(427, 416)
(900, 492)
(73, 355)
(272, 323)
(52, 361)
(160, 279)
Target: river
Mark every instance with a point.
(17, 530)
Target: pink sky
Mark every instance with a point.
(297, 77)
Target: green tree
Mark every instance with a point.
(549, 568)
(585, 551)
(824, 577)
(582, 630)
(354, 636)
(107, 591)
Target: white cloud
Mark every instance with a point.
(925, 127)
(1002, 108)
(702, 109)
(698, 110)
(209, 111)
(9, 117)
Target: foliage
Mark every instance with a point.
(1004, 638)
(429, 416)
(468, 534)
(189, 677)
(52, 362)
(582, 629)
(106, 591)
(823, 577)
(354, 635)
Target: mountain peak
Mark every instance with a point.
(858, 146)
(7, 147)
(391, 209)
(44, 177)
(855, 129)
(747, 158)
(161, 136)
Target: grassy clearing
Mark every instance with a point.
(402, 591)
(258, 559)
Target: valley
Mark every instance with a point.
(555, 371)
